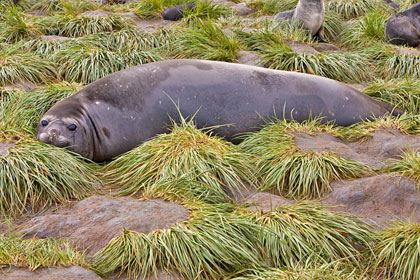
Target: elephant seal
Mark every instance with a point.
(118, 112)
(309, 14)
(177, 12)
(404, 28)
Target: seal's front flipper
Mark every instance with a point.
(318, 36)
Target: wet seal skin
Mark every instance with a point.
(118, 112)
(404, 28)
(177, 12)
(309, 14)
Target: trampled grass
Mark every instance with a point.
(35, 175)
(35, 253)
(398, 251)
(281, 167)
(186, 162)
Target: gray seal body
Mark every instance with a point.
(308, 13)
(404, 28)
(120, 111)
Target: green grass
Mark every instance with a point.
(308, 233)
(398, 251)
(73, 7)
(72, 26)
(35, 175)
(272, 7)
(409, 165)
(148, 9)
(206, 10)
(19, 66)
(15, 26)
(85, 62)
(35, 253)
(349, 9)
(366, 31)
(208, 246)
(281, 167)
(400, 66)
(186, 162)
(401, 93)
(342, 66)
(206, 40)
(23, 111)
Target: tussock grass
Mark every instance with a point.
(206, 40)
(208, 246)
(23, 111)
(272, 7)
(332, 271)
(73, 7)
(206, 10)
(409, 165)
(148, 9)
(398, 251)
(349, 9)
(187, 162)
(281, 167)
(346, 67)
(71, 26)
(43, 48)
(401, 66)
(406, 123)
(18, 66)
(35, 253)
(401, 93)
(15, 26)
(36, 175)
(306, 232)
(366, 31)
(85, 62)
(333, 26)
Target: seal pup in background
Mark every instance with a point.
(404, 28)
(308, 13)
(118, 112)
(177, 12)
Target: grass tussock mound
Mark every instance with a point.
(281, 167)
(349, 9)
(208, 246)
(398, 251)
(185, 162)
(35, 253)
(409, 165)
(36, 175)
(307, 232)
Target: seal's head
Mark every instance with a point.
(65, 125)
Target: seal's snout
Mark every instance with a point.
(54, 137)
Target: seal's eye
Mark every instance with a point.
(72, 127)
(44, 122)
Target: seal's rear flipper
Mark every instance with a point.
(318, 36)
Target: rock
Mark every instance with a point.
(266, 202)
(54, 38)
(384, 144)
(248, 58)
(407, 51)
(153, 25)
(25, 85)
(4, 148)
(38, 13)
(324, 47)
(62, 273)
(301, 48)
(241, 9)
(94, 221)
(379, 198)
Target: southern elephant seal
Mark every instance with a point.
(120, 111)
(308, 13)
(404, 28)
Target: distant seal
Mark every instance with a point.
(9, 1)
(404, 28)
(120, 111)
(310, 14)
(177, 12)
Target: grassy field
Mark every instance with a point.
(223, 239)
